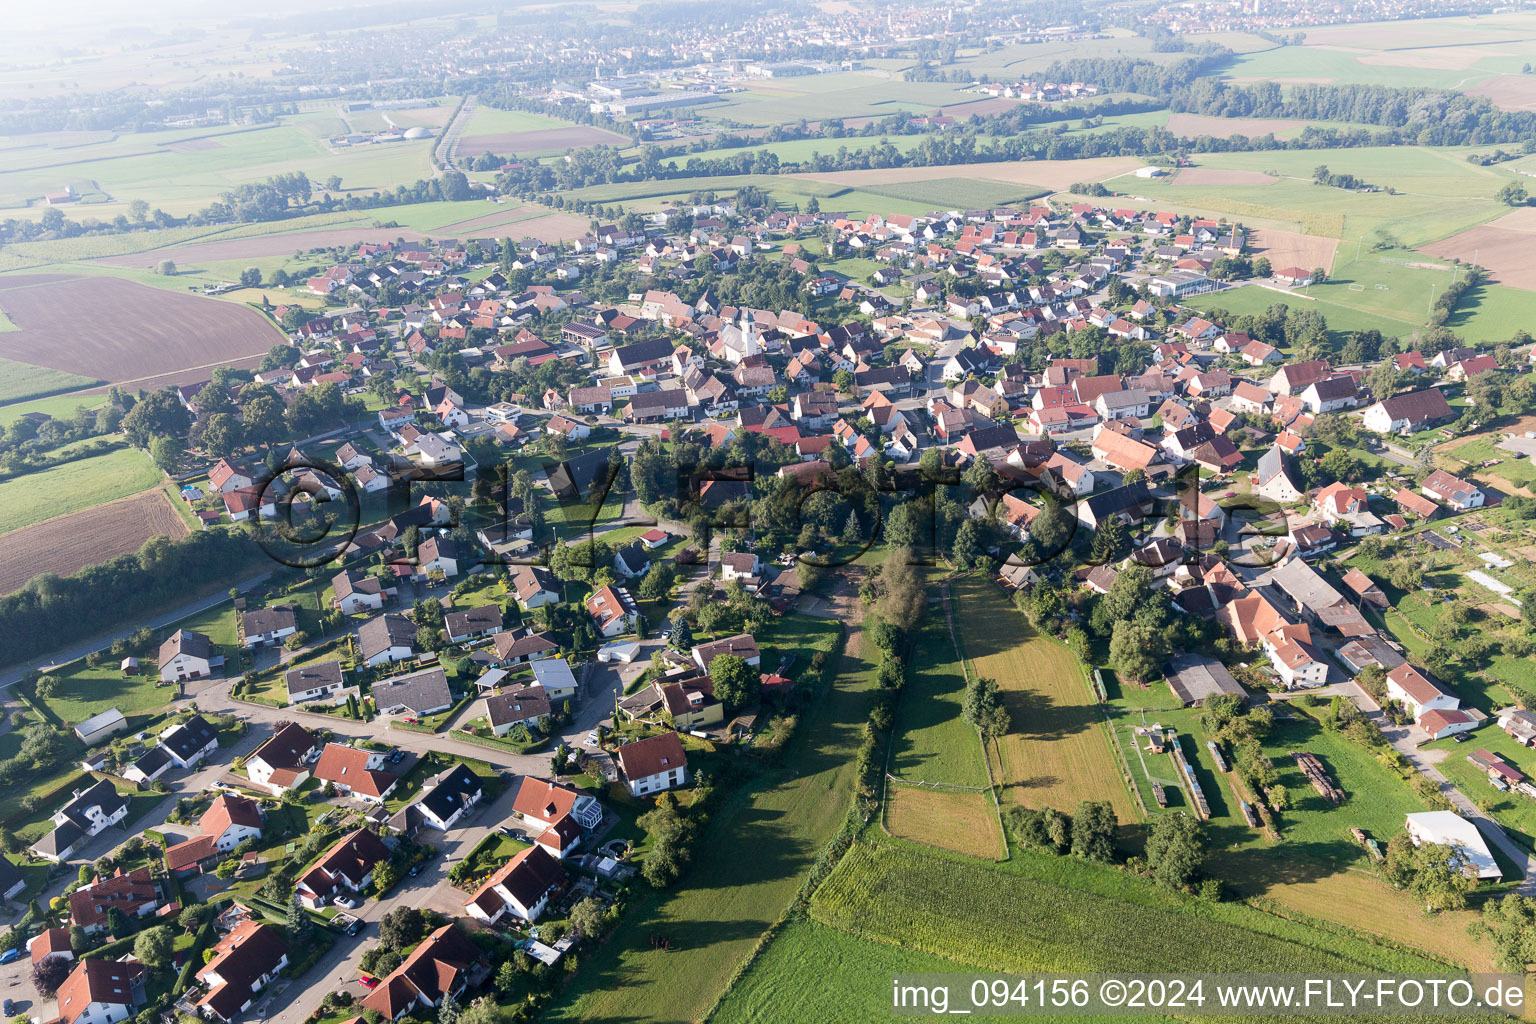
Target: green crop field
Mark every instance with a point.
(183, 171)
(932, 742)
(720, 184)
(958, 193)
(1440, 193)
(1022, 917)
(746, 868)
(85, 483)
(21, 381)
(1342, 318)
(787, 984)
(485, 120)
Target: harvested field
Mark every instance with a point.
(1054, 174)
(1449, 58)
(259, 246)
(962, 822)
(1057, 751)
(116, 330)
(990, 105)
(541, 140)
(546, 227)
(1292, 248)
(1215, 176)
(1507, 92)
(1192, 125)
(1502, 247)
(68, 543)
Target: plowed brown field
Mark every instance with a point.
(119, 331)
(69, 543)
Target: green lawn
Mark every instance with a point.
(754, 855)
(86, 691)
(1515, 811)
(57, 406)
(82, 484)
(933, 743)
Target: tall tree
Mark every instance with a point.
(1176, 849)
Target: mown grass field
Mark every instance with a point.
(22, 381)
(932, 743)
(1057, 751)
(949, 819)
(1342, 318)
(1440, 193)
(33, 497)
(1492, 313)
(1038, 913)
(183, 171)
(747, 867)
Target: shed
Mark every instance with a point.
(624, 651)
(98, 727)
(1193, 678)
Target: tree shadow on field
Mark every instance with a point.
(1033, 782)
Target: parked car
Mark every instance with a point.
(368, 982)
(396, 757)
(10, 956)
(9, 1007)
(591, 738)
(344, 901)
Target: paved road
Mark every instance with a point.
(181, 784)
(1405, 740)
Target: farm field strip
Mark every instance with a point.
(73, 486)
(65, 544)
(1057, 751)
(1001, 918)
(786, 984)
(951, 820)
(750, 861)
(118, 330)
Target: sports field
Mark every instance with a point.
(1057, 751)
(77, 485)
